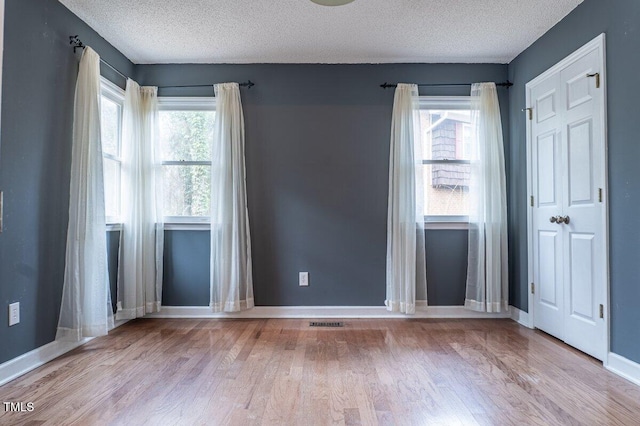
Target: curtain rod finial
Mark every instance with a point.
(75, 42)
(248, 84)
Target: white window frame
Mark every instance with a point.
(115, 94)
(180, 103)
(449, 103)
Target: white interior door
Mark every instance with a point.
(568, 216)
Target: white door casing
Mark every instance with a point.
(566, 158)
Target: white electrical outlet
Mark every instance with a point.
(14, 313)
(303, 279)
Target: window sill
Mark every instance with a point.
(169, 226)
(446, 225)
(114, 227)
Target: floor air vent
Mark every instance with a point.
(325, 324)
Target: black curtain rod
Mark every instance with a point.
(506, 84)
(78, 44)
(248, 84)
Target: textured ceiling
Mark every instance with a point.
(299, 31)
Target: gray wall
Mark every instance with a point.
(620, 20)
(39, 75)
(113, 246)
(186, 268)
(317, 153)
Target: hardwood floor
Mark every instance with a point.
(395, 372)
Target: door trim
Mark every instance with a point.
(597, 44)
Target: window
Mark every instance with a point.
(447, 140)
(112, 100)
(186, 135)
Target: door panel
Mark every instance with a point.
(579, 89)
(546, 106)
(547, 149)
(580, 153)
(550, 293)
(582, 282)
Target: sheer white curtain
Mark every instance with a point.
(406, 271)
(85, 310)
(231, 276)
(142, 235)
(487, 274)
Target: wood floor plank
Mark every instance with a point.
(274, 372)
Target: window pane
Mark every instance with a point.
(446, 134)
(446, 189)
(111, 187)
(110, 127)
(187, 190)
(186, 135)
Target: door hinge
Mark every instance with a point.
(600, 194)
(530, 110)
(601, 311)
(597, 76)
(533, 288)
(531, 201)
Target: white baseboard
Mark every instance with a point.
(623, 367)
(521, 317)
(31, 360)
(323, 312)
(24, 363)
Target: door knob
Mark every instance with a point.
(560, 220)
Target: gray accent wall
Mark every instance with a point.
(186, 268)
(317, 154)
(620, 20)
(113, 252)
(39, 76)
(446, 252)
